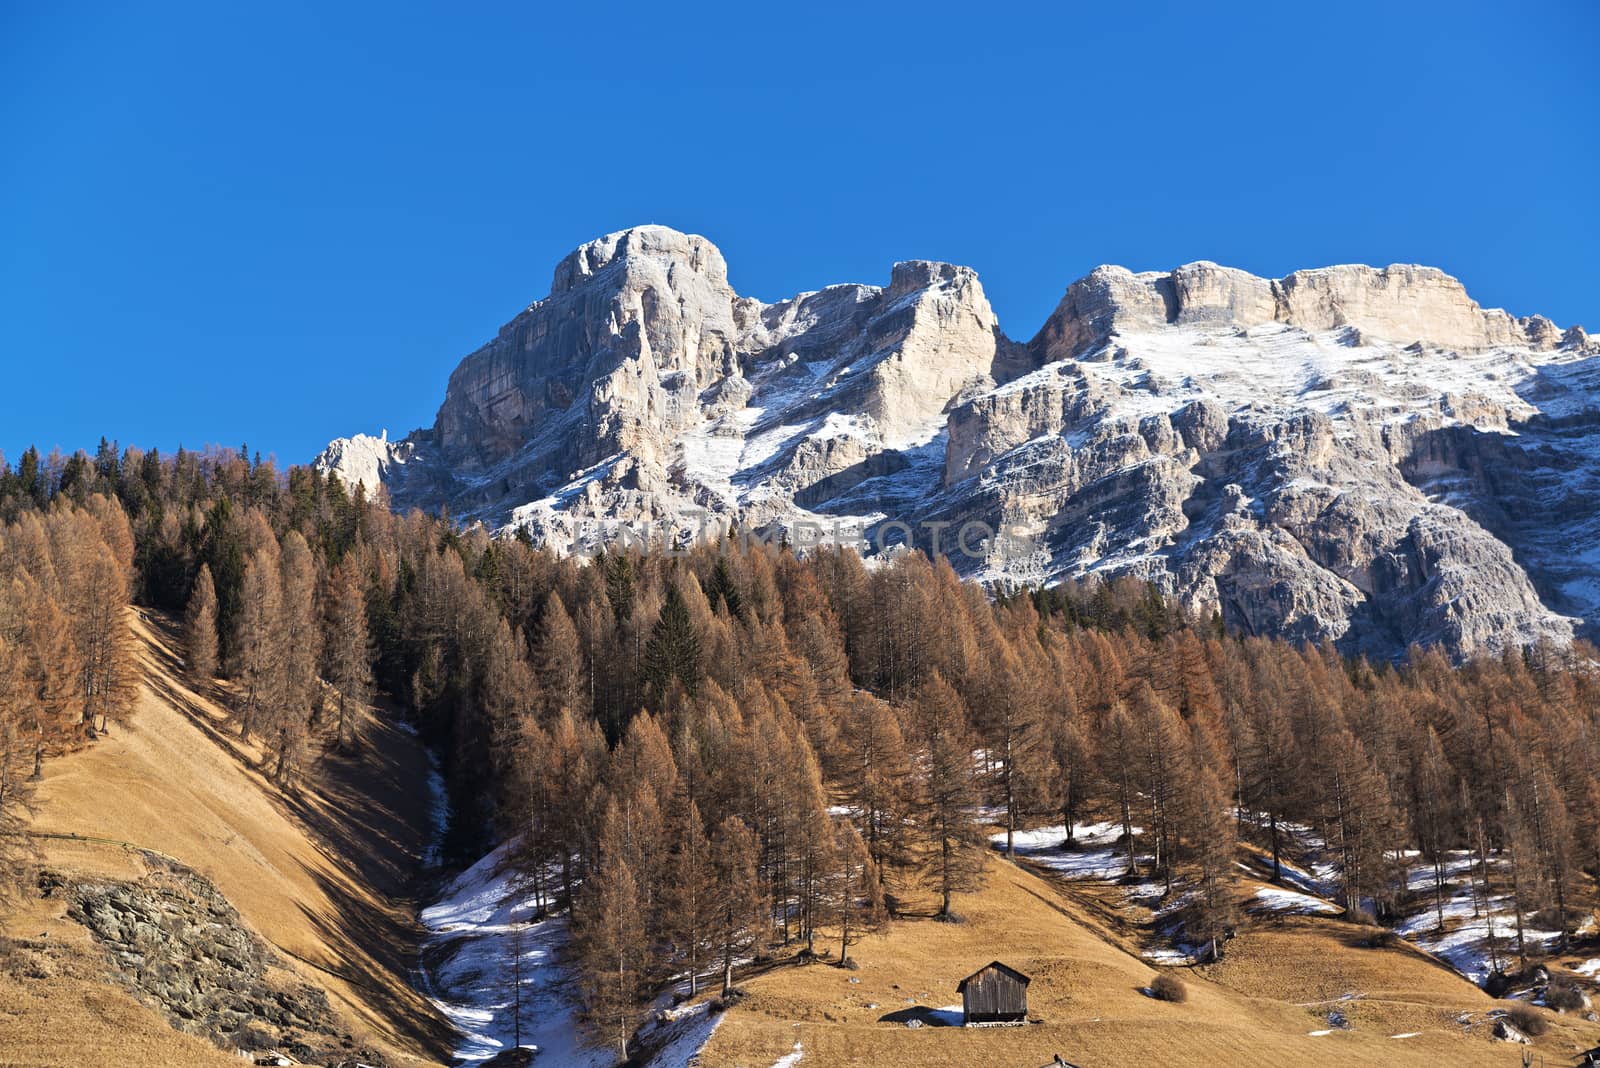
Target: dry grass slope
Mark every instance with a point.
(1259, 1007)
(322, 873)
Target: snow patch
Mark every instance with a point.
(479, 927)
(1287, 902)
(788, 1060)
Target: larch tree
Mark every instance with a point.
(854, 897)
(873, 769)
(1208, 841)
(258, 646)
(16, 771)
(807, 835)
(51, 698)
(689, 902)
(302, 651)
(952, 834)
(738, 921)
(108, 675)
(505, 694)
(200, 627)
(613, 952)
(1163, 741)
(1072, 770)
(1011, 724)
(1431, 811)
(1119, 761)
(347, 647)
(559, 663)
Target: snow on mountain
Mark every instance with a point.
(1349, 453)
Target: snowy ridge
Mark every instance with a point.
(1347, 453)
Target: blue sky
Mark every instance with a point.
(281, 223)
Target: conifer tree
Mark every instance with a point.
(737, 923)
(347, 646)
(949, 800)
(17, 754)
(620, 590)
(505, 693)
(258, 648)
(855, 897)
(559, 660)
(722, 590)
(301, 642)
(200, 627)
(1012, 728)
(689, 904)
(872, 768)
(1072, 765)
(1432, 795)
(108, 682)
(1119, 761)
(1207, 834)
(673, 653)
(51, 697)
(613, 952)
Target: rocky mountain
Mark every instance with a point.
(1350, 453)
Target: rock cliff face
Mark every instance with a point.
(1349, 453)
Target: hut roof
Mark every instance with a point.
(1018, 976)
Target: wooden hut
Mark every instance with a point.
(994, 994)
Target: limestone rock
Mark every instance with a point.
(1347, 453)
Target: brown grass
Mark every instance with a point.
(1257, 1007)
(322, 873)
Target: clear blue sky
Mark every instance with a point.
(280, 223)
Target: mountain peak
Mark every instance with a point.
(649, 242)
(1352, 453)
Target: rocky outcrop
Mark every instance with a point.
(1351, 453)
(1402, 303)
(176, 943)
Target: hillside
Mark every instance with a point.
(1267, 1003)
(323, 874)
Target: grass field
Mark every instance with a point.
(1267, 1003)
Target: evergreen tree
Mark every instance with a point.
(673, 653)
(721, 589)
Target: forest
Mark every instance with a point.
(709, 754)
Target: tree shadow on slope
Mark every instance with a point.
(366, 813)
(369, 817)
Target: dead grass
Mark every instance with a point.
(321, 873)
(1257, 1007)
